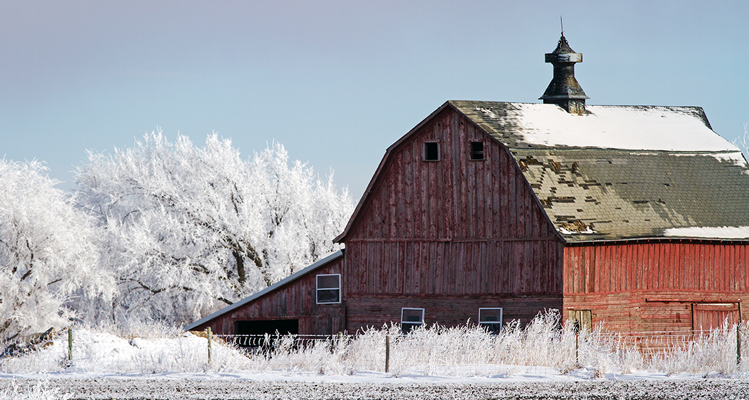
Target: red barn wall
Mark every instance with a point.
(450, 236)
(654, 286)
(296, 300)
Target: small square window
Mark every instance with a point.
(491, 319)
(328, 288)
(477, 150)
(411, 318)
(431, 151)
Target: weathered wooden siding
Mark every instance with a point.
(454, 198)
(455, 226)
(456, 268)
(653, 286)
(657, 266)
(707, 316)
(295, 300)
(467, 229)
(376, 311)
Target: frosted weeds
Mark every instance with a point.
(40, 391)
(542, 348)
(715, 351)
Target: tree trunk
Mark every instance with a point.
(240, 266)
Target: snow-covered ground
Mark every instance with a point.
(207, 388)
(466, 363)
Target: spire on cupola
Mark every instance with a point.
(564, 89)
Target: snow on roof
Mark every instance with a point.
(623, 172)
(654, 128)
(620, 127)
(721, 232)
(616, 172)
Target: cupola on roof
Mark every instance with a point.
(564, 89)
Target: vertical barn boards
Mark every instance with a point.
(707, 316)
(292, 298)
(450, 236)
(658, 285)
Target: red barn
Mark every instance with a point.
(492, 211)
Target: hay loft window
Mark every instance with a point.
(431, 151)
(411, 318)
(328, 289)
(491, 319)
(477, 150)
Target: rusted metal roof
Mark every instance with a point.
(624, 172)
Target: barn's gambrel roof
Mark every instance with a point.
(618, 172)
(624, 172)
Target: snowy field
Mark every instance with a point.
(394, 388)
(537, 361)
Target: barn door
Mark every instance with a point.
(709, 316)
(583, 317)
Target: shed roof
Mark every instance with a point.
(291, 278)
(624, 172)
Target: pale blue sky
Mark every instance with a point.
(337, 82)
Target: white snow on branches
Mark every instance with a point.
(48, 256)
(188, 230)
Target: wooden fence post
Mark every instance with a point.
(208, 335)
(738, 344)
(70, 345)
(387, 353)
(577, 336)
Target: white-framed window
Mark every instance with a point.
(328, 288)
(431, 151)
(491, 319)
(411, 318)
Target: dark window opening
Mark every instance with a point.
(491, 319)
(477, 150)
(263, 326)
(328, 288)
(328, 296)
(411, 318)
(431, 151)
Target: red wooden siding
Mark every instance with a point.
(657, 266)
(421, 268)
(295, 300)
(454, 198)
(654, 286)
(708, 316)
(468, 229)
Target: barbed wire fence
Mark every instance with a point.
(388, 351)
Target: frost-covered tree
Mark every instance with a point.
(743, 142)
(47, 252)
(189, 229)
(300, 214)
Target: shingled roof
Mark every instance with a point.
(624, 172)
